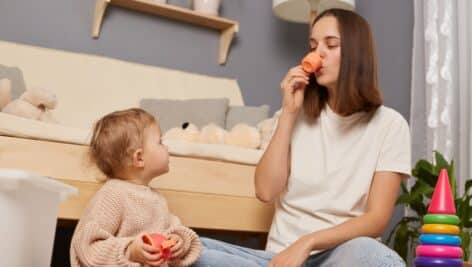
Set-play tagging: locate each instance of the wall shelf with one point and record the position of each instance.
(226, 27)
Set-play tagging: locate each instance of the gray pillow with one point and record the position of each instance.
(15, 75)
(173, 113)
(245, 114)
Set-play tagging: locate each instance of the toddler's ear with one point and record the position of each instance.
(138, 159)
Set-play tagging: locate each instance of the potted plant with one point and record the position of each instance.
(404, 235)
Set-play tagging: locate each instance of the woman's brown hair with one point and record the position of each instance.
(357, 85)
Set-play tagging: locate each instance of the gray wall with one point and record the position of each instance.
(263, 51)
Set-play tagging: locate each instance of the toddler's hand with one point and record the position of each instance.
(143, 253)
(177, 250)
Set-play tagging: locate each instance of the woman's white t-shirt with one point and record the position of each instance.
(333, 161)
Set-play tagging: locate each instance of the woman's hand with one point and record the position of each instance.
(177, 250)
(143, 253)
(294, 255)
(293, 89)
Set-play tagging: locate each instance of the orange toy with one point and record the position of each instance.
(311, 62)
(160, 242)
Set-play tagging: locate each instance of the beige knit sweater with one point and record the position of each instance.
(115, 216)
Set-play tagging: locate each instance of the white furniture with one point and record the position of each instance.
(29, 204)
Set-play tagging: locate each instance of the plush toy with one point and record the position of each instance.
(5, 92)
(212, 134)
(32, 104)
(187, 132)
(266, 128)
(243, 135)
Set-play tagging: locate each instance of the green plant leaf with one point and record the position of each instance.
(441, 162)
(404, 235)
(464, 211)
(468, 185)
(418, 192)
(421, 189)
(401, 241)
(425, 165)
(465, 244)
(392, 232)
(404, 220)
(403, 199)
(452, 179)
(424, 171)
(404, 188)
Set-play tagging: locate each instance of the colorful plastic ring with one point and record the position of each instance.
(435, 239)
(441, 219)
(440, 229)
(439, 251)
(437, 262)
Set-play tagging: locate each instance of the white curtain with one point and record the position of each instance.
(442, 82)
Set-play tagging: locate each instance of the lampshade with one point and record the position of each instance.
(301, 10)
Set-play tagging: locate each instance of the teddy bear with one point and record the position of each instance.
(187, 132)
(5, 92)
(212, 134)
(34, 103)
(266, 128)
(241, 135)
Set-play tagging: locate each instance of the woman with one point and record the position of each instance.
(335, 162)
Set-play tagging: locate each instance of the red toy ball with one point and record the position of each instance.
(160, 242)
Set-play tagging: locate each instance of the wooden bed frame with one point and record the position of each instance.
(205, 194)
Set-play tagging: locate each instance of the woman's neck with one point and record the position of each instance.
(331, 99)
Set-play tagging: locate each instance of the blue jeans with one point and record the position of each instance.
(361, 251)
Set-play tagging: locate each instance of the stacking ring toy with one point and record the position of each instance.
(439, 251)
(437, 262)
(440, 229)
(441, 219)
(435, 239)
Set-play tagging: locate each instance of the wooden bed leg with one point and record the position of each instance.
(100, 8)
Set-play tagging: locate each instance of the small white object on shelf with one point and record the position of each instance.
(226, 27)
(181, 3)
(209, 7)
(304, 11)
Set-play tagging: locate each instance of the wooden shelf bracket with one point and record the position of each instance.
(227, 28)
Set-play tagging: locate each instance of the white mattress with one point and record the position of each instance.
(214, 151)
(20, 127)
